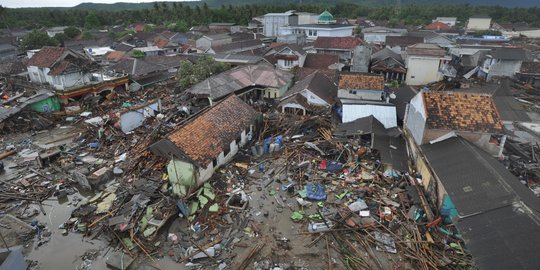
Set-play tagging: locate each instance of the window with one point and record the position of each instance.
(288, 63)
(310, 33)
(315, 32)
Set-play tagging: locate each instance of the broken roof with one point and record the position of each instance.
(136, 67)
(530, 68)
(47, 56)
(384, 54)
(461, 112)
(209, 133)
(230, 81)
(343, 43)
(114, 55)
(510, 54)
(361, 81)
(424, 49)
(317, 84)
(320, 61)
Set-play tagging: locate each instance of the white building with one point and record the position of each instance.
(479, 22)
(450, 21)
(423, 62)
(51, 32)
(290, 56)
(273, 21)
(326, 26)
(378, 34)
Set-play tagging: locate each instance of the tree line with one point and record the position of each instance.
(176, 13)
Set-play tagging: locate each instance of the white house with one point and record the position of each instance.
(450, 21)
(423, 62)
(290, 56)
(479, 22)
(503, 62)
(273, 21)
(326, 26)
(208, 41)
(60, 67)
(313, 91)
(205, 142)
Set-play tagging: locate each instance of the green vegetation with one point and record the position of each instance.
(190, 74)
(36, 40)
(87, 35)
(72, 32)
(137, 54)
(189, 14)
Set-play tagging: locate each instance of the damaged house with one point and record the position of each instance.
(503, 62)
(259, 80)
(69, 73)
(435, 115)
(205, 142)
(364, 94)
(424, 62)
(313, 92)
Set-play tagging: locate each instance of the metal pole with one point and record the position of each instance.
(4, 241)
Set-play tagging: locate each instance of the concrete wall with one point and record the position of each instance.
(378, 37)
(415, 120)
(422, 70)
(505, 68)
(479, 23)
(271, 23)
(40, 75)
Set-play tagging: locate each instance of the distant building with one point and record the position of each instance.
(342, 46)
(450, 21)
(378, 34)
(208, 41)
(326, 26)
(479, 22)
(228, 27)
(51, 32)
(289, 56)
(273, 21)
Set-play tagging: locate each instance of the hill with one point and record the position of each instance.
(218, 3)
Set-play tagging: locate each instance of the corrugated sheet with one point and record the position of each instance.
(385, 114)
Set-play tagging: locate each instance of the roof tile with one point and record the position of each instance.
(336, 42)
(461, 112)
(209, 133)
(361, 81)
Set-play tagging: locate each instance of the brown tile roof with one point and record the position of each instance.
(530, 68)
(461, 112)
(161, 43)
(336, 43)
(320, 61)
(209, 133)
(424, 49)
(46, 57)
(301, 73)
(361, 81)
(115, 55)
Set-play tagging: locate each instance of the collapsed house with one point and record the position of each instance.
(205, 142)
(312, 92)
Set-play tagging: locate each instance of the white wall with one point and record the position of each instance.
(385, 114)
(272, 23)
(378, 37)
(479, 23)
(422, 70)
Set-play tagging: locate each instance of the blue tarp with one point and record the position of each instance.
(315, 192)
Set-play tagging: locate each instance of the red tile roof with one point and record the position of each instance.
(336, 42)
(211, 132)
(46, 57)
(461, 112)
(138, 28)
(320, 61)
(437, 26)
(361, 81)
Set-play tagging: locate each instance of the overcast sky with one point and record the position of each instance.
(65, 3)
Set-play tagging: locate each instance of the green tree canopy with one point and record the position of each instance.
(72, 31)
(36, 40)
(190, 74)
(181, 26)
(87, 35)
(137, 54)
(91, 21)
(61, 37)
